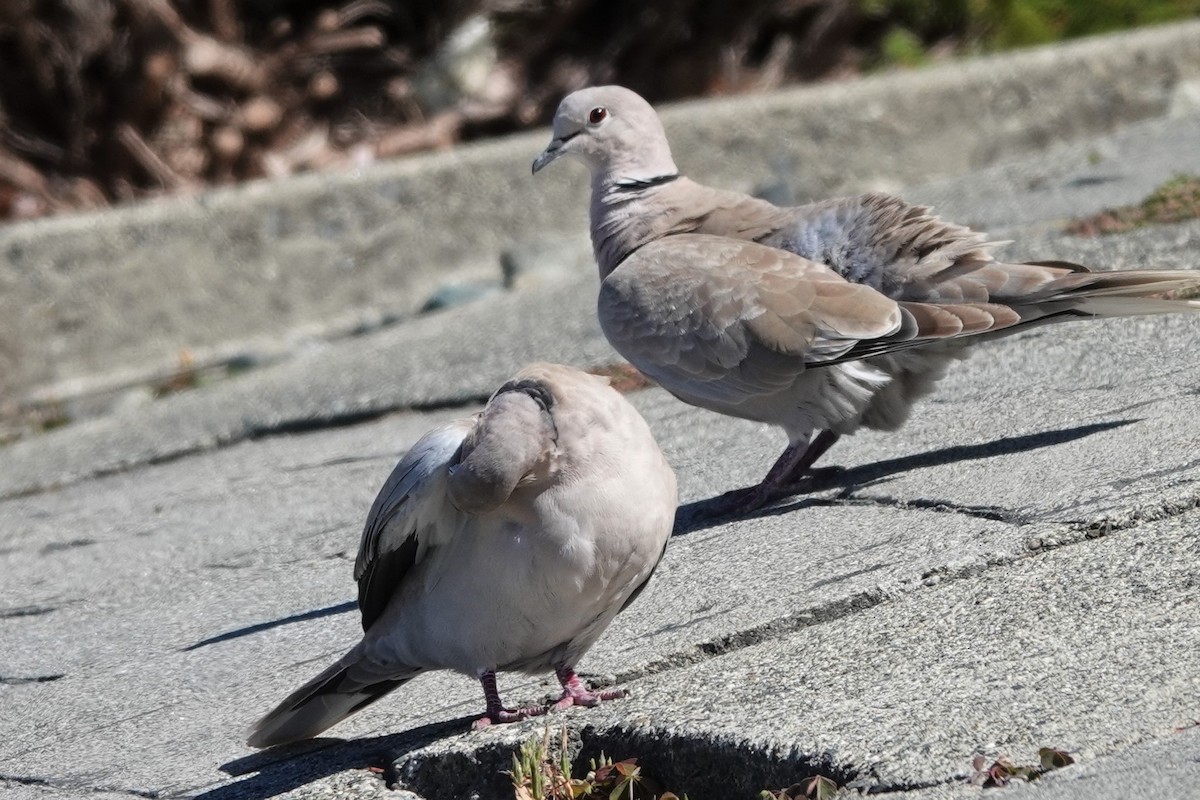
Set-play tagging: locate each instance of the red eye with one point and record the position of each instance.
(597, 115)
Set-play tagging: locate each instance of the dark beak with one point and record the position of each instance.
(552, 151)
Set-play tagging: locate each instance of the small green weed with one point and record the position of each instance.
(818, 787)
(537, 774)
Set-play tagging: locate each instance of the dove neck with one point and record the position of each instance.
(629, 213)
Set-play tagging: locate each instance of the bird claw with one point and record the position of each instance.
(570, 697)
(500, 716)
(586, 697)
(574, 693)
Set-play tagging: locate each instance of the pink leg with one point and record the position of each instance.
(495, 712)
(576, 694)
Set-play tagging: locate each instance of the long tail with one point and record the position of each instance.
(1051, 292)
(1122, 294)
(319, 705)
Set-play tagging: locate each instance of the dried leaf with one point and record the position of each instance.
(1054, 759)
(819, 787)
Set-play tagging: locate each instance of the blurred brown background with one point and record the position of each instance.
(103, 101)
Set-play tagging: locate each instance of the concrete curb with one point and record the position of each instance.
(93, 302)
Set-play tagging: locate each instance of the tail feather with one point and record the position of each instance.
(1131, 284)
(1121, 294)
(317, 706)
(1066, 296)
(1126, 306)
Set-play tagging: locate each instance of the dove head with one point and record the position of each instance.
(614, 132)
(511, 444)
(516, 441)
(544, 425)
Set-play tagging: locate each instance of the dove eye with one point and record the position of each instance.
(597, 115)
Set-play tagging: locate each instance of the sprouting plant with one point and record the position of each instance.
(536, 776)
(539, 775)
(1004, 770)
(818, 787)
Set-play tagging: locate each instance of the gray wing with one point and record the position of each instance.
(930, 266)
(724, 320)
(908, 253)
(411, 514)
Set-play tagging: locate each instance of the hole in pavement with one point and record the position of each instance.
(678, 761)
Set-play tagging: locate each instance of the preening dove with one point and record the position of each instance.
(508, 541)
(822, 317)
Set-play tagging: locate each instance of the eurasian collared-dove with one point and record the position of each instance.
(508, 541)
(729, 302)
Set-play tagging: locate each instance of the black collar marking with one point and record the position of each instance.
(645, 183)
(540, 394)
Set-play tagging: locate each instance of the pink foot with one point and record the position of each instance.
(500, 716)
(496, 713)
(586, 698)
(576, 694)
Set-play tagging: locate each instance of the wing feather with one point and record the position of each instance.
(730, 319)
(410, 515)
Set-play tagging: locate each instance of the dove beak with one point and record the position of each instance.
(552, 151)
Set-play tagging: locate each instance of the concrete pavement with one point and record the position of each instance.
(1018, 568)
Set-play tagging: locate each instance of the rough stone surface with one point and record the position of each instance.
(1027, 200)
(1165, 768)
(1016, 569)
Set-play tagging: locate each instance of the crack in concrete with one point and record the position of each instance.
(337, 462)
(253, 432)
(357, 417)
(833, 610)
(904, 786)
(1140, 515)
(73, 789)
(18, 681)
(1124, 483)
(54, 547)
(674, 759)
(27, 611)
(748, 637)
(1077, 531)
(848, 497)
(46, 487)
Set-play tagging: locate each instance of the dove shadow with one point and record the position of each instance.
(282, 769)
(701, 514)
(316, 613)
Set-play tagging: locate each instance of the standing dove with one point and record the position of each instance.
(817, 318)
(508, 541)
